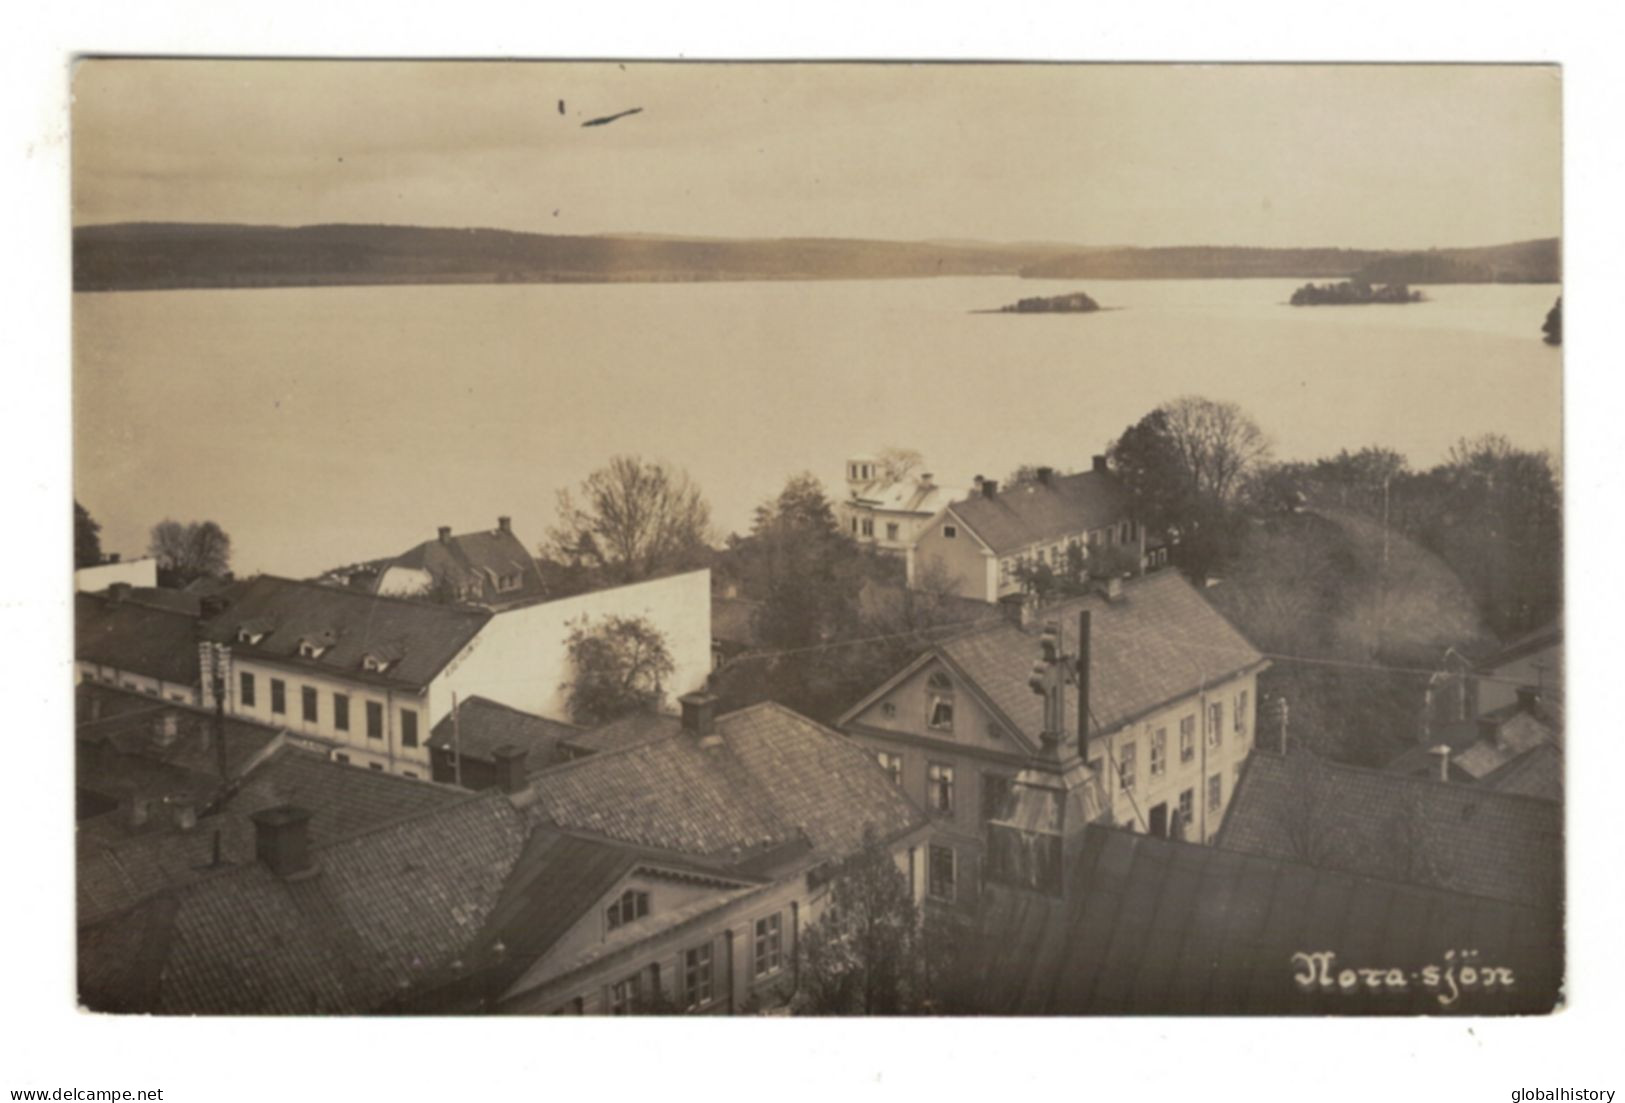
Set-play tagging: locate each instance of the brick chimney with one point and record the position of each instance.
(1528, 698)
(505, 524)
(117, 592)
(282, 840)
(1046, 476)
(445, 534)
(184, 809)
(700, 718)
(1099, 465)
(510, 768)
(990, 488)
(166, 728)
(211, 606)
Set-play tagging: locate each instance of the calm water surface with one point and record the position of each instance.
(322, 426)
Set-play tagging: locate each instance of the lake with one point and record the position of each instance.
(327, 425)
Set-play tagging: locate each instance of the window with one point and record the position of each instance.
(891, 530)
(1004, 571)
(1129, 764)
(892, 764)
(949, 532)
(941, 872)
(697, 988)
(341, 757)
(939, 702)
(279, 696)
(1240, 718)
(409, 728)
(245, 689)
(309, 649)
(940, 789)
(307, 701)
(769, 955)
(375, 766)
(632, 905)
(1215, 792)
(375, 720)
(995, 795)
(1215, 723)
(888, 709)
(1187, 807)
(625, 996)
(1187, 738)
(994, 731)
(341, 711)
(868, 526)
(1159, 752)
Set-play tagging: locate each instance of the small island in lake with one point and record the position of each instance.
(1353, 292)
(1075, 303)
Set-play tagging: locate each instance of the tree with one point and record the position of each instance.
(1028, 473)
(1553, 326)
(808, 571)
(1218, 445)
(620, 667)
(896, 463)
(631, 520)
(186, 553)
(868, 952)
(87, 538)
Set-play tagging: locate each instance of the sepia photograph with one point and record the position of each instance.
(816, 539)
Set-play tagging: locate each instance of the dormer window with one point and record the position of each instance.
(374, 664)
(310, 649)
(249, 636)
(939, 702)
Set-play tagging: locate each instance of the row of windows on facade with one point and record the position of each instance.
(640, 990)
(310, 708)
(1055, 556)
(865, 526)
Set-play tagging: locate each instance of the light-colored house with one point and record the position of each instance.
(888, 513)
(1171, 693)
(371, 675)
(122, 639)
(980, 544)
(131, 572)
(489, 568)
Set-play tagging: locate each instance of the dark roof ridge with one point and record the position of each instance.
(492, 702)
(400, 599)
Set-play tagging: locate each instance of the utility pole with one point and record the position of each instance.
(456, 744)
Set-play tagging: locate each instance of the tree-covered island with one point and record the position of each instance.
(1353, 292)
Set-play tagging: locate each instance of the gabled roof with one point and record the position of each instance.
(617, 735)
(906, 495)
(778, 785)
(1465, 838)
(418, 638)
(1538, 772)
(1160, 641)
(119, 732)
(477, 560)
(1032, 512)
(484, 725)
(1152, 926)
(118, 868)
(136, 637)
(382, 911)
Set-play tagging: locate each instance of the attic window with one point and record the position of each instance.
(375, 665)
(949, 532)
(310, 649)
(509, 582)
(249, 636)
(632, 905)
(939, 708)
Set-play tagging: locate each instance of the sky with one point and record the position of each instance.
(1350, 156)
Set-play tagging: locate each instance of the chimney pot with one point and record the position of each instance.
(1046, 476)
(510, 767)
(112, 557)
(505, 524)
(185, 813)
(700, 717)
(1443, 752)
(282, 839)
(990, 488)
(1528, 698)
(1100, 465)
(118, 591)
(166, 728)
(445, 534)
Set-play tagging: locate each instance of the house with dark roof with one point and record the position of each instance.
(479, 742)
(1168, 689)
(126, 640)
(980, 544)
(1472, 750)
(1470, 839)
(887, 512)
(1151, 926)
(490, 568)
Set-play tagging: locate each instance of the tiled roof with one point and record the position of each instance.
(776, 780)
(1031, 512)
(1464, 838)
(133, 636)
(1549, 635)
(382, 911)
(1152, 926)
(419, 637)
(1160, 641)
(119, 732)
(617, 735)
(477, 560)
(1538, 772)
(117, 868)
(484, 725)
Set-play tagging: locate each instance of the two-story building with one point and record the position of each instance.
(981, 545)
(371, 675)
(125, 638)
(490, 568)
(1170, 694)
(888, 513)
